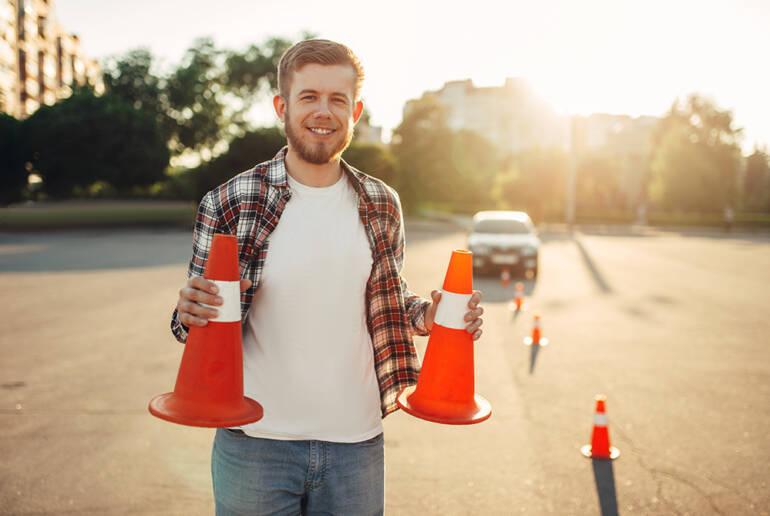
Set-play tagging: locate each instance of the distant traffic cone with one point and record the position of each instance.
(600, 437)
(505, 277)
(518, 297)
(209, 385)
(445, 388)
(535, 339)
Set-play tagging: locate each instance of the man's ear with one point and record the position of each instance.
(279, 104)
(357, 111)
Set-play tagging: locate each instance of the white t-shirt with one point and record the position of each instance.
(307, 352)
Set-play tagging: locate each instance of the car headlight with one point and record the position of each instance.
(528, 250)
(480, 249)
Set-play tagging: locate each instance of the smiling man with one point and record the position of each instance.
(327, 319)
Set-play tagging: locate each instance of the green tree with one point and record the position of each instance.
(249, 73)
(202, 103)
(756, 187)
(696, 157)
(371, 159)
(132, 78)
(438, 165)
(243, 153)
(13, 176)
(597, 188)
(85, 138)
(533, 181)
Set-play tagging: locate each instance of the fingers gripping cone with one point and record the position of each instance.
(600, 437)
(445, 388)
(536, 339)
(209, 386)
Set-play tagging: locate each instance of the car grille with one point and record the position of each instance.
(505, 250)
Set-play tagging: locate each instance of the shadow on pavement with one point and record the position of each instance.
(93, 250)
(533, 358)
(592, 268)
(605, 486)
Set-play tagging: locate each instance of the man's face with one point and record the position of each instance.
(321, 111)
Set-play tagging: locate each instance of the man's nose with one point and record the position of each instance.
(323, 107)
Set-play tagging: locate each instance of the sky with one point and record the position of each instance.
(584, 56)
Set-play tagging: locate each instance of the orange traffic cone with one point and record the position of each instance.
(535, 339)
(505, 277)
(209, 385)
(600, 437)
(445, 388)
(518, 297)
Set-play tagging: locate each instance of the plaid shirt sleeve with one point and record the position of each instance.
(415, 305)
(205, 226)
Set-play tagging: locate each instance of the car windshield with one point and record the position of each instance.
(501, 226)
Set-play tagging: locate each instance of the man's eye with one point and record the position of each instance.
(307, 97)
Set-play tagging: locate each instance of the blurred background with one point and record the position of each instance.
(634, 134)
(590, 112)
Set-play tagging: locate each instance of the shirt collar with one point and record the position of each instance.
(276, 172)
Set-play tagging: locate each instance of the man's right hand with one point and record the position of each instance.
(200, 290)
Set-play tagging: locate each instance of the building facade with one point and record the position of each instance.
(514, 117)
(40, 62)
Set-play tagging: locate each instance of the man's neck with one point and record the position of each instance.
(310, 174)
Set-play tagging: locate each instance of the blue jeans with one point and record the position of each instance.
(254, 476)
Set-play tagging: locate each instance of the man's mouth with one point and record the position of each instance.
(323, 131)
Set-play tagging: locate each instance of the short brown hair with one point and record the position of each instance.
(318, 51)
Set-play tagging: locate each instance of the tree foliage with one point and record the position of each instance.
(374, 160)
(244, 152)
(203, 101)
(756, 185)
(438, 165)
(597, 187)
(696, 157)
(85, 138)
(13, 176)
(533, 180)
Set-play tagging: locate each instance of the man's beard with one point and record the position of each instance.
(318, 153)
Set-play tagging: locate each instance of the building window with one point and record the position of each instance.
(41, 26)
(59, 62)
(20, 19)
(72, 68)
(22, 66)
(40, 75)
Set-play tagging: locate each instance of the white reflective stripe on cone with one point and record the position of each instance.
(230, 309)
(452, 309)
(600, 419)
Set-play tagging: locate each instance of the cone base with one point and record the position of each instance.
(480, 411)
(513, 308)
(173, 408)
(587, 452)
(529, 342)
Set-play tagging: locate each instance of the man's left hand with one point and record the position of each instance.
(472, 316)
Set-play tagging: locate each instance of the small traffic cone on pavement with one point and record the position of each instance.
(518, 298)
(209, 385)
(536, 339)
(505, 277)
(600, 437)
(445, 391)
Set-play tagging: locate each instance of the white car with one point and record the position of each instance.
(504, 239)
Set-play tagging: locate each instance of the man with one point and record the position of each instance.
(327, 319)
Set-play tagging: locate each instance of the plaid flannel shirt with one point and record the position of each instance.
(249, 206)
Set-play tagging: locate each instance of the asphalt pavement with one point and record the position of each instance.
(671, 326)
